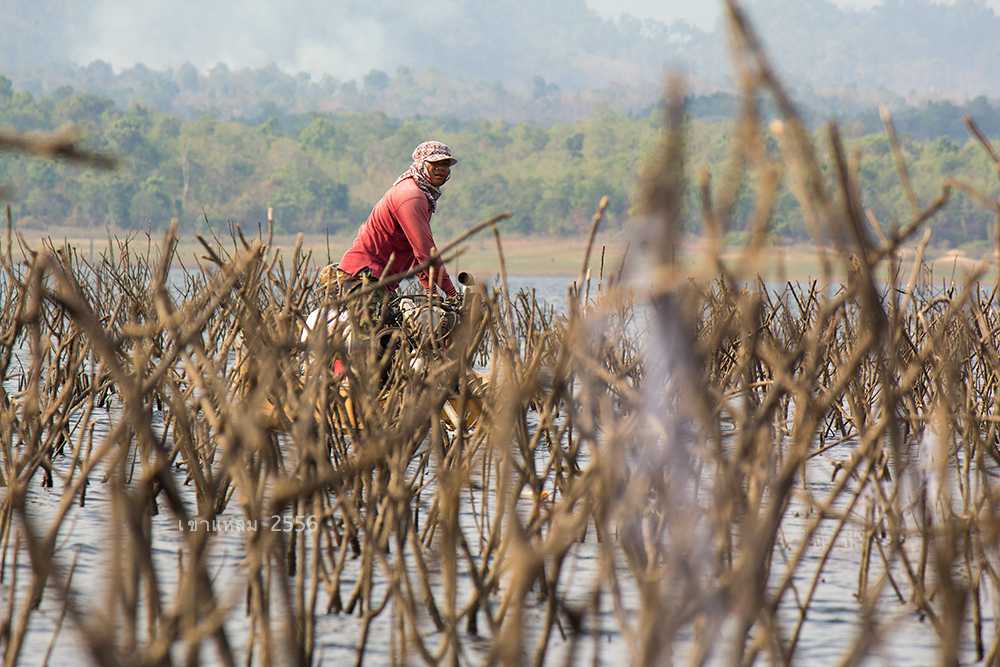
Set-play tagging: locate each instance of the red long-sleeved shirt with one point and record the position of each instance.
(398, 226)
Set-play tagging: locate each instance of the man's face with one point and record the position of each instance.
(437, 172)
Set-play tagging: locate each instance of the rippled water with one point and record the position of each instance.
(829, 630)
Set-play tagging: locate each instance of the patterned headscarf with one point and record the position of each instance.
(429, 150)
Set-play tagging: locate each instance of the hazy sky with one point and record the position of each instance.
(693, 11)
(301, 35)
(698, 12)
(702, 13)
(346, 38)
(307, 35)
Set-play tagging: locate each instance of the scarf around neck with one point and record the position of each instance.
(417, 170)
(419, 176)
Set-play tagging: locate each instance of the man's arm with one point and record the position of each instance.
(414, 217)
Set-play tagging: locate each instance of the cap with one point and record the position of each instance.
(433, 151)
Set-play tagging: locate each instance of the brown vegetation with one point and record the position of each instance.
(675, 468)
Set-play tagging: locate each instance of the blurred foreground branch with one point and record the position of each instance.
(62, 144)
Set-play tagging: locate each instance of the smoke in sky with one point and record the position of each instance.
(310, 35)
(499, 40)
(573, 43)
(703, 14)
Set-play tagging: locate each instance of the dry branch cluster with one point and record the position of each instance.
(670, 463)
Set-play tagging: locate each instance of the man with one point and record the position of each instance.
(399, 227)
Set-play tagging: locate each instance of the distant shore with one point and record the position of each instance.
(547, 256)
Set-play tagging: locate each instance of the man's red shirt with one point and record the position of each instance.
(399, 227)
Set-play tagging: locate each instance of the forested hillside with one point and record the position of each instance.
(323, 172)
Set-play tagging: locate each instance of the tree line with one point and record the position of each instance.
(322, 172)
